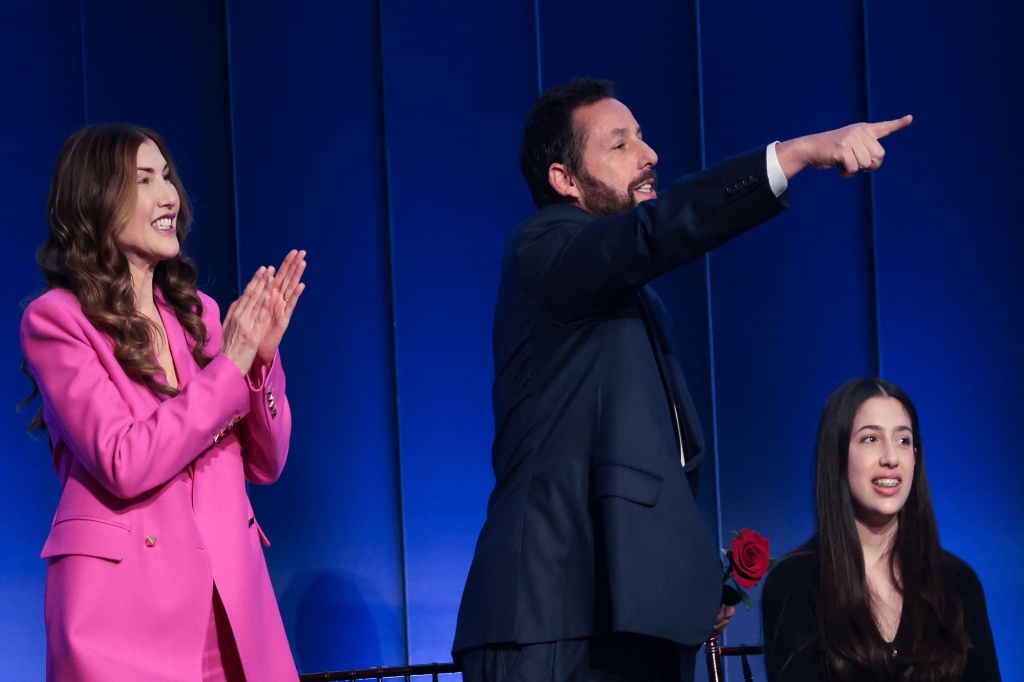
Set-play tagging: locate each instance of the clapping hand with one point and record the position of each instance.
(285, 289)
(246, 321)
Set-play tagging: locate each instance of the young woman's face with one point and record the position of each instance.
(149, 237)
(881, 462)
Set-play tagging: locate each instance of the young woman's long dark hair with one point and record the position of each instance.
(92, 198)
(852, 648)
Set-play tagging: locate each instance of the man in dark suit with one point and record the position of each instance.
(594, 563)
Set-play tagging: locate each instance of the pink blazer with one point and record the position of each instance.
(154, 510)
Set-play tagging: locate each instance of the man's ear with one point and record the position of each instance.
(563, 181)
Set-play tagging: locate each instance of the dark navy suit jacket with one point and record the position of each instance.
(592, 525)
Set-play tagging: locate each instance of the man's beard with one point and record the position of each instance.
(602, 200)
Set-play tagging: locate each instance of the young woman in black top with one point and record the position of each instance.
(873, 596)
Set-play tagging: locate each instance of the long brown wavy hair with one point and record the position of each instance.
(852, 648)
(92, 197)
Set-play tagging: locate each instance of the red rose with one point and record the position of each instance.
(748, 557)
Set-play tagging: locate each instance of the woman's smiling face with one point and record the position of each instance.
(149, 237)
(881, 462)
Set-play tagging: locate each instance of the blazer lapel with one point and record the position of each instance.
(687, 433)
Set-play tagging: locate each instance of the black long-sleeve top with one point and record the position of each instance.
(789, 599)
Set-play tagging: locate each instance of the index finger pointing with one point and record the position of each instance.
(883, 128)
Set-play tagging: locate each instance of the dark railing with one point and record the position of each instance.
(384, 673)
(714, 653)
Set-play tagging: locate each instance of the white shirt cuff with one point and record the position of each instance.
(776, 178)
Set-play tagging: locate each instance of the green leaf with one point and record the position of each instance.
(730, 597)
(744, 597)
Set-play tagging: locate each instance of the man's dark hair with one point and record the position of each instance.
(550, 135)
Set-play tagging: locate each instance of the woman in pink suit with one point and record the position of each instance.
(157, 416)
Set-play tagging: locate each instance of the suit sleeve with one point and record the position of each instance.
(573, 266)
(267, 429)
(788, 617)
(81, 385)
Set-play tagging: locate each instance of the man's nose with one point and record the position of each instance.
(648, 158)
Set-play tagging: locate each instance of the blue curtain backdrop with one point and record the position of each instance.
(382, 136)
